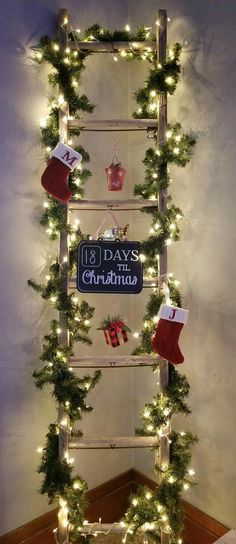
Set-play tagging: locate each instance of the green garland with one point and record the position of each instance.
(164, 405)
(69, 391)
(160, 509)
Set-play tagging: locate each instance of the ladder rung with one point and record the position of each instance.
(120, 361)
(112, 124)
(110, 47)
(116, 442)
(132, 204)
(107, 528)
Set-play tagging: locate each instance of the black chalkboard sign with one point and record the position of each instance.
(109, 267)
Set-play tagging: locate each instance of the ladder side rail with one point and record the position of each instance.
(62, 536)
(164, 452)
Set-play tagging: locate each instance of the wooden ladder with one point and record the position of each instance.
(65, 124)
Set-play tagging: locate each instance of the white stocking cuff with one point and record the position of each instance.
(172, 313)
(67, 155)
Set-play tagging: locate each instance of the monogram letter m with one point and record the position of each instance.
(68, 159)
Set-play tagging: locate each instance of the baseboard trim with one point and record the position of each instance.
(109, 501)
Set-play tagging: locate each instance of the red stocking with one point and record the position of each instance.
(165, 340)
(55, 178)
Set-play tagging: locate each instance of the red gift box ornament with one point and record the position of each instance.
(113, 327)
(115, 175)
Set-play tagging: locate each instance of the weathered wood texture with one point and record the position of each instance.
(131, 204)
(113, 442)
(111, 47)
(103, 124)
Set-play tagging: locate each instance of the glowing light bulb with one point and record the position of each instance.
(39, 449)
(123, 53)
(155, 319)
(56, 47)
(134, 502)
(186, 486)
(74, 83)
(127, 28)
(168, 134)
(66, 60)
(67, 50)
(153, 94)
(171, 479)
(176, 150)
(159, 65)
(115, 58)
(136, 335)
(45, 205)
(148, 496)
(191, 472)
(65, 20)
(43, 122)
(64, 422)
(142, 257)
(169, 80)
(86, 322)
(146, 413)
(150, 427)
(39, 55)
(152, 107)
(168, 241)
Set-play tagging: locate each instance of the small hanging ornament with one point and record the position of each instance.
(112, 327)
(116, 233)
(115, 175)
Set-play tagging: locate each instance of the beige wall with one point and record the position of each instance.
(204, 260)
